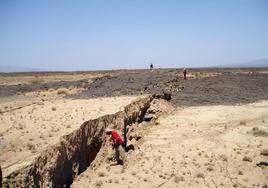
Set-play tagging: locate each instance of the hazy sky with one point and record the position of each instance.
(112, 34)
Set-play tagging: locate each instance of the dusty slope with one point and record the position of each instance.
(206, 146)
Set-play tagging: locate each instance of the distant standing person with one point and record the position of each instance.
(184, 73)
(117, 145)
(151, 66)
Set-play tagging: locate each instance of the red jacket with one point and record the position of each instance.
(117, 140)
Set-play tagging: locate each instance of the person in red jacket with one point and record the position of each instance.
(117, 145)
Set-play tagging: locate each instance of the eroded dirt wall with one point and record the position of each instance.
(59, 164)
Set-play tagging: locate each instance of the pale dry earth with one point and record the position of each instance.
(202, 143)
(199, 146)
(27, 131)
(20, 78)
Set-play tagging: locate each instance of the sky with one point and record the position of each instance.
(72, 35)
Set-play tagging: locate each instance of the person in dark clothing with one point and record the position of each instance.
(151, 67)
(184, 73)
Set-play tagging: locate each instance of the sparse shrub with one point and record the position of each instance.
(54, 108)
(264, 152)
(116, 181)
(41, 136)
(259, 132)
(200, 175)
(210, 168)
(63, 91)
(21, 127)
(177, 179)
(242, 123)
(224, 157)
(246, 158)
(101, 174)
(51, 90)
(98, 183)
(30, 146)
(85, 85)
(68, 126)
(36, 80)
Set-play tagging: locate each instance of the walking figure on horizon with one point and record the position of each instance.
(184, 73)
(151, 67)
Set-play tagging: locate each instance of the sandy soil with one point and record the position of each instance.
(30, 78)
(212, 138)
(34, 113)
(25, 132)
(201, 146)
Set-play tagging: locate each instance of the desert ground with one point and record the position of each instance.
(212, 132)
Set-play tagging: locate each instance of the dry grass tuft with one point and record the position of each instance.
(68, 126)
(36, 80)
(101, 174)
(30, 146)
(116, 181)
(63, 91)
(200, 175)
(264, 152)
(98, 183)
(246, 158)
(210, 168)
(259, 132)
(224, 157)
(242, 122)
(177, 179)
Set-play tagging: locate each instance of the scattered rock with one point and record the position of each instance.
(177, 179)
(224, 157)
(101, 174)
(242, 123)
(210, 168)
(200, 175)
(149, 117)
(264, 152)
(246, 158)
(260, 131)
(135, 136)
(98, 183)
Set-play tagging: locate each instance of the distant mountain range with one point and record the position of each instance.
(8, 69)
(252, 64)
